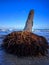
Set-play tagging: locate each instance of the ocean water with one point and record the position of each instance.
(43, 33)
(9, 59)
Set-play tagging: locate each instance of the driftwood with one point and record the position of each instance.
(29, 22)
(25, 44)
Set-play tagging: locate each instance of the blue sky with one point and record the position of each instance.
(14, 13)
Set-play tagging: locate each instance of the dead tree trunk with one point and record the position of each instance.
(29, 22)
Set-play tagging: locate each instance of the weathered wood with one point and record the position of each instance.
(29, 22)
(25, 44)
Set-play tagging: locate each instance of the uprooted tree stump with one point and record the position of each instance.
(23, 43)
